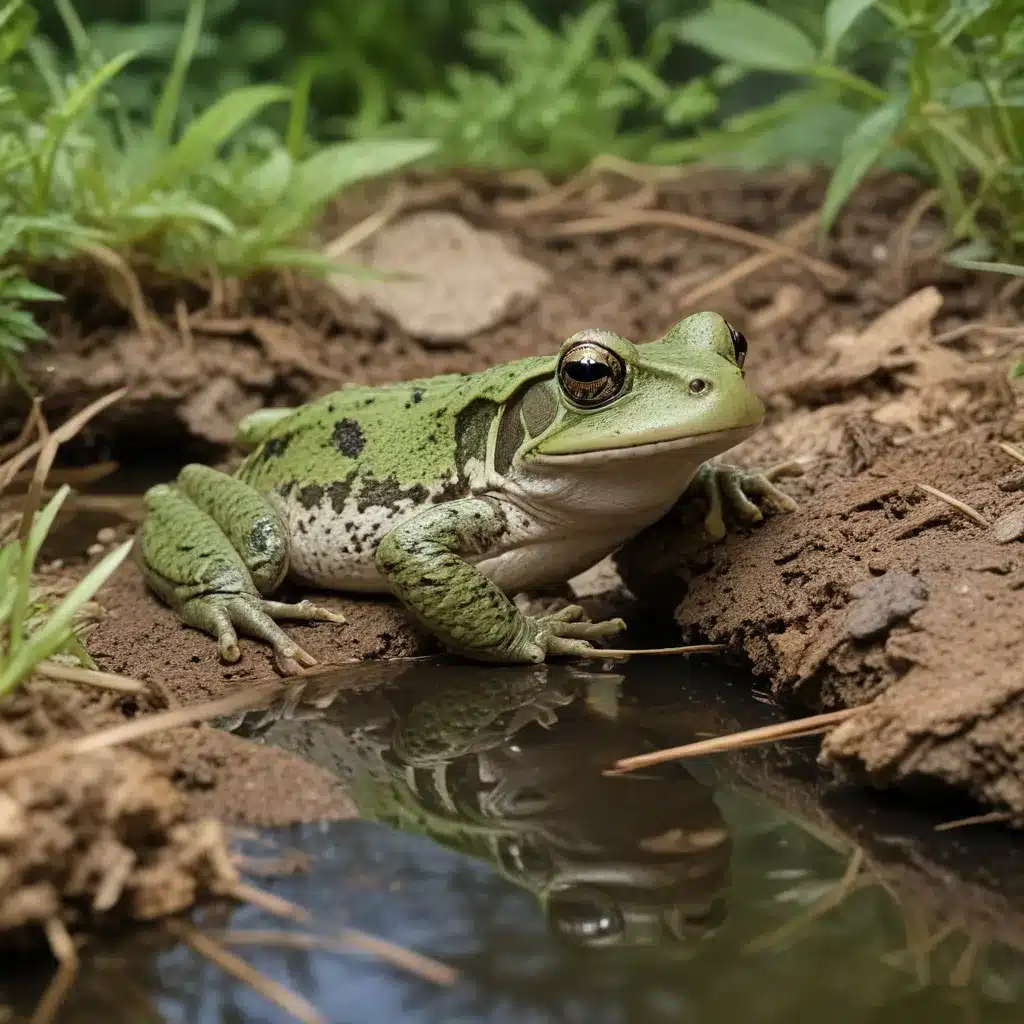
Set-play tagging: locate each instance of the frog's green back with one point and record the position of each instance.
(384, 441)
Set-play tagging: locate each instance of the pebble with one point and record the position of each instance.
(107, 535)
(1009, 527)
(95, 549)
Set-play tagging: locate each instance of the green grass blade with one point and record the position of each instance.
(166, 112)
(83, 94)
(41, 526)
(839, 18)
(205, 136)
(17, 26)
(326, 173)
(988, 266)
(748, 35)
(50, 637)
(10, 556)
(860, 153)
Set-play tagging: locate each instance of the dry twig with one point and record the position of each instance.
(971, 513)
(64, 953)
(346, 942)
(797, 729)
(271, 990)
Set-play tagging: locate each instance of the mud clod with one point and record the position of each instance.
(879, 603)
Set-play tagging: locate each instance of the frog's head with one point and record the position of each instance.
(619, 400)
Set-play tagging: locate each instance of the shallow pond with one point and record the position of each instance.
(742, 888)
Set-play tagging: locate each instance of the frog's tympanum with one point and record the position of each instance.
(457, 492)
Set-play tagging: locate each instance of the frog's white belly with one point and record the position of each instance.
(558, 526)
(335, 553)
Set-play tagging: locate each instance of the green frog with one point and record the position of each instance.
(458, 492)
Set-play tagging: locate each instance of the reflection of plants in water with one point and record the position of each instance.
(939, 947)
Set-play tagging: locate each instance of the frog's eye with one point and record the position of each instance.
(591, 374)
(739, 345)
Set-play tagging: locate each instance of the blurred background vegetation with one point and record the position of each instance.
(190, 135)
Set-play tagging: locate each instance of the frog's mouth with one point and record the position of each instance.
(654, 444)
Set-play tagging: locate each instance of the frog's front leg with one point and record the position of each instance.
(213, 549)
(424, 562)
(723, 482)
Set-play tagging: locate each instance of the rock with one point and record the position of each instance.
(457, 279)
(1009, 527)
(879, 603)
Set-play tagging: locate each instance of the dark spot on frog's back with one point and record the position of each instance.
(348, 438)
(310, 496)
(339, 491)
(275, 447)
(387, 492)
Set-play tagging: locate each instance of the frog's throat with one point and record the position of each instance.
(703, 445)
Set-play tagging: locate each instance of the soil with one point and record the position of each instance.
(882, 368)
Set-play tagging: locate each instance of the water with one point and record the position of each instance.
(746, 888)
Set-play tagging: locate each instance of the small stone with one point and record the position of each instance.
(13, 823)
(95, 549)
(454, 280)
(1012, 481)
(107, 535)
(1009, 527)
(878, 604)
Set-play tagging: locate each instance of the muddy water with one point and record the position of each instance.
(744, 889)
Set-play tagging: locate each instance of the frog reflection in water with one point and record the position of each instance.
(509, 769)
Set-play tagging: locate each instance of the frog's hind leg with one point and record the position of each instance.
(212, 548)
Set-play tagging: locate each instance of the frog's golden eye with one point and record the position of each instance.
(591, 374)
(739, 345)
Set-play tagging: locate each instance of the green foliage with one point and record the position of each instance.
(30, 629)
(176, 195)
(216, 191)
(556, 98)
(949, 103)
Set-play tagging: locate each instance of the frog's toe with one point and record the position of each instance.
(761, 485)
(567, 646)
(794, 467)
(570, 613)
(589, 630)
(222, 616)
(303, 611)
(736, 488)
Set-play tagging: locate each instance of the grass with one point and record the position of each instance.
(34, 626)
(555, 99)
(218, 195)
(948, 104)
(31, 629)
(192, 192)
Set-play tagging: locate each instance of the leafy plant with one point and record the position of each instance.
(18, 327)
(219, 191)
(29, 635)
(556, 98)
(949, 104)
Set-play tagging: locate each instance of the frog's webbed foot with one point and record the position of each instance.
(423, 561)
(225, 615)
(569, 631)
(722, 482)
(211, 549)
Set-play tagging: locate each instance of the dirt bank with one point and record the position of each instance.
(875, 590)
(878, 591)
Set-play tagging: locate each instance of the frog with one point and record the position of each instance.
(457, 493)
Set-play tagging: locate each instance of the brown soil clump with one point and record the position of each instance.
(878, 592)
(143, 639)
